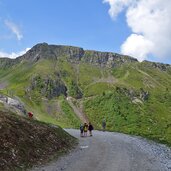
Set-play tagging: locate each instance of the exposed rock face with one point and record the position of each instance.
(106, 58)
(7, 62)
(48, 87)
(75, 54)
(12, 102)
(140, 95)
(160, 66)
(46, 51)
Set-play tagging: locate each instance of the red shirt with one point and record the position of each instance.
(30, 115)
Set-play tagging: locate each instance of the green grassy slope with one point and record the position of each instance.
(19, 79)
(113, 94)
(150, 118)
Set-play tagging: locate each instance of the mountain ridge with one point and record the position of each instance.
(73, 53)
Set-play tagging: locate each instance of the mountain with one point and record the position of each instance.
(132, 97)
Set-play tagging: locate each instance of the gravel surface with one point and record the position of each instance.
(108, 151)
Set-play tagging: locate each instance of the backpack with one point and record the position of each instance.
(81, 128)
(91, 127)
(85, 128)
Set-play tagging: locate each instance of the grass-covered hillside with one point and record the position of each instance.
(132, 97)
(25, 142)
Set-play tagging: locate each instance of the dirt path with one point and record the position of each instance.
(77, 111)
(107, 151)
(110, 80)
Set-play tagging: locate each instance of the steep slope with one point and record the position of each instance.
(25, 142)
(77, 111)
(133, 97)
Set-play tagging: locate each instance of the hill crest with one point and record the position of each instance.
(76, 54)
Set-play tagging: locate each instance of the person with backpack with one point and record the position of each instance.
(85, 129)
(104, 124)
(81, 130)
(90, 128)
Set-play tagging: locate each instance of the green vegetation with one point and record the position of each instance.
(69, 118)
(134, 98)
(150, 119)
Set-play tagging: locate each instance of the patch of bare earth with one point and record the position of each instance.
(25, 142)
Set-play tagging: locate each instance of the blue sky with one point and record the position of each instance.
(88, 24)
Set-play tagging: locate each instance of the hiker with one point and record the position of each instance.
(104, 124)
(30, 115)
(90, 128)
(81, 130)
(85, 129)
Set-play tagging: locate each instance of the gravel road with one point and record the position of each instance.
(108, 151)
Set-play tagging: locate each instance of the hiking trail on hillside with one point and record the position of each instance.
(77, 111)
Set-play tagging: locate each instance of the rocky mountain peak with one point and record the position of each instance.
(75, 54)
(45, 51)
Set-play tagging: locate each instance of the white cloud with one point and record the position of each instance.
(138, 46)
(116, 6)
(14, 28)
(13, 54)
(150, 22)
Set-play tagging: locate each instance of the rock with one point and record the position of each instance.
(144, 95)
(72, 54)
(45, 51)
(75, 55)
(136, 100)
(13, 103)
(135, 96)
(160, 66)
(106, 58)
(48, 87)
(7, 62)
